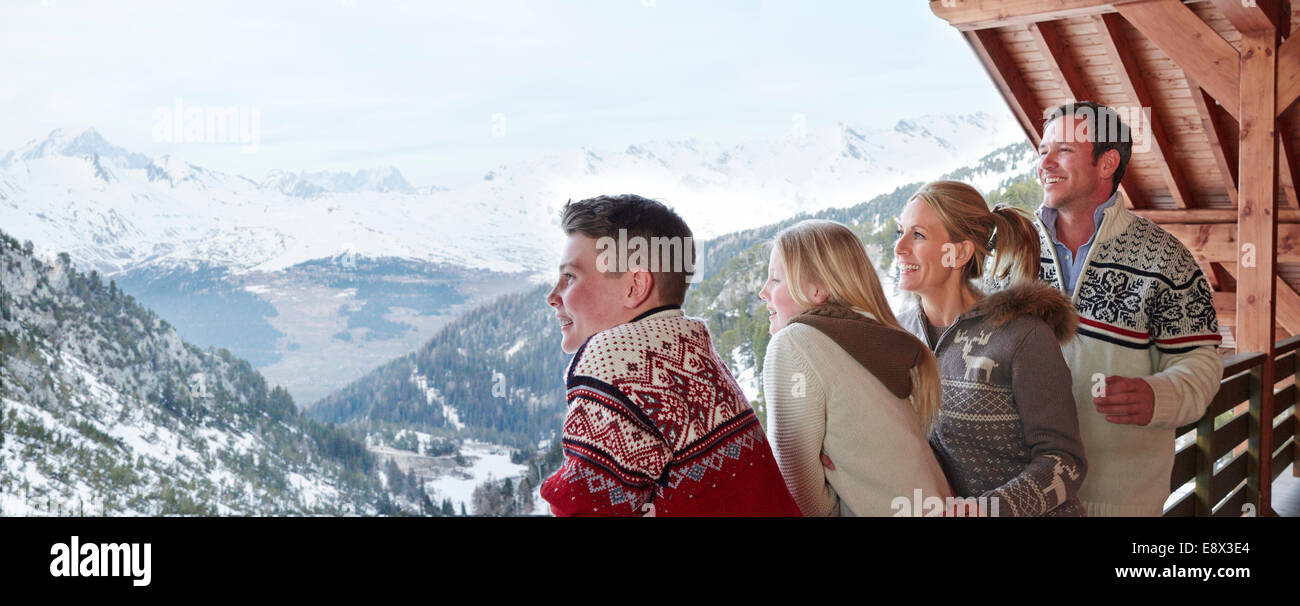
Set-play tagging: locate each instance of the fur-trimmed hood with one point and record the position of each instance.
(1036, 299)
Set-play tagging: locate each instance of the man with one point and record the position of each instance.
(1144, 361)
(656, 424)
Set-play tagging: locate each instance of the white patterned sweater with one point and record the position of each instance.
(1145, 310)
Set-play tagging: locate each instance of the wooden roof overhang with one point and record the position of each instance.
(1217, 157)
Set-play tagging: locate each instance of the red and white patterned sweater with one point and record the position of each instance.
(657, 426)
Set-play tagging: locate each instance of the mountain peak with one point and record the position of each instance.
(86, 143)
(382, 179)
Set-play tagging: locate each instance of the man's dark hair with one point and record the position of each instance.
(1105, 131)
(649, 220)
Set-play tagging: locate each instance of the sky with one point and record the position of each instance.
(446, 91)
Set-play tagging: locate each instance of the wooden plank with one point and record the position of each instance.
(1283, 366)
(1257, 230)
(981, 14)
(1288, 304)
(1225, 307)
(1288, 165)
(1232, 507)
(1064, 71)
(1207, 215)
(1290, 344)
(1121, 55)
(1287, 174)
(1184, 470)
(1241, 362)
(1230, 436)
(1192, 44)
(1225, 152)
(1218, 243)
(1002, 70)
(1228, 478)
(1288, 74)
(1288, 307)
(1284, 457)
(1254, 15)
(1183, 508)
(1232, 392)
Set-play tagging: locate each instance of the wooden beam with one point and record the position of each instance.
(1047, 36)
(969, 15)
(1257, 229)
(1288, 78)
(1288, 171)
(1218, 243)
(1208, 215)
(1192, 44)
(1224, 148)
(1115, 42)
(1225, 307)
(1226, 274)
(1207, 268)
(1288, 302)
(1256, 15)
(1053, 46)
(1002, 70)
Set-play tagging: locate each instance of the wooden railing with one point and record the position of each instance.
(1212, 463)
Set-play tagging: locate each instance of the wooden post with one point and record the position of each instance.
(1257, 238)
(1205, 465)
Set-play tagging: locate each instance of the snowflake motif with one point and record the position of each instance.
(1111, 300)
(1200, 309)
(1166, 312)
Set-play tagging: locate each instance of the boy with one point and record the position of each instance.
(656, 424)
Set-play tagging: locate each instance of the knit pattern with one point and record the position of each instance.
(1142, 289)
(1007, 427)
(979, 440)
(656, 418)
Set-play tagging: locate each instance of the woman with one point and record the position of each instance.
(1007, 429)
(842, 378)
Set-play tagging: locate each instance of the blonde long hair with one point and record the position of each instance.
(830, 255)
(1006, 233)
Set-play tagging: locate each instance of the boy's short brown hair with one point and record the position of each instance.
(647, 221)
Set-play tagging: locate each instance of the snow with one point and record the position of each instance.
(486, 461)
(744, 373)
(432, 396)
(514, 349)
(166, 212)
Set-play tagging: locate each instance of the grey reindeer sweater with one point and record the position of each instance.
(1007, 427)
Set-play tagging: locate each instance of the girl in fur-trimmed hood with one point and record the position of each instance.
(1007, 429)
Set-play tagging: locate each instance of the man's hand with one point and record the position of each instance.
(1128, 401)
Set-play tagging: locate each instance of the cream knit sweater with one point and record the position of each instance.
(1145, 310)
(819, 399)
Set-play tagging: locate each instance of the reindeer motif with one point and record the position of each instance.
(1058, 484)
(975, 364)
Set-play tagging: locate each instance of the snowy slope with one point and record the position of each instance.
(114, 210)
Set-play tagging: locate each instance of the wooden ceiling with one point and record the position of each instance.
(1179, 64)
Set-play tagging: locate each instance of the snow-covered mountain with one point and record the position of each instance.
(115, 210)
(319, 277)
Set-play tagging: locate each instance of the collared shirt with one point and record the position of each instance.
(1072, 263)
